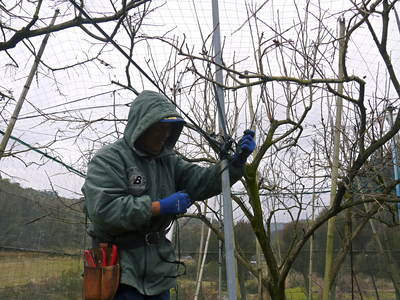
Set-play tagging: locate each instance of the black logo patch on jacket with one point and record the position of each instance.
(137, 181)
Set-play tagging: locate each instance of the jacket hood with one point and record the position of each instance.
(148, 108)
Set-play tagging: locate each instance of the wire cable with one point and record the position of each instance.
(28, 114)
(69, 168)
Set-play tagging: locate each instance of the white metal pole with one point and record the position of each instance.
(220, 246)
(225, 181)
(204, 256)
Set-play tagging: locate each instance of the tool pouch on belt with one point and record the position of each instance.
(101, 273)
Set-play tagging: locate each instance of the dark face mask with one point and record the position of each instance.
(152, 141)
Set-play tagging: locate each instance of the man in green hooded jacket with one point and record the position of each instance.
(136, 185)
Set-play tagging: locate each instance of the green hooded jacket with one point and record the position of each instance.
(121, 183)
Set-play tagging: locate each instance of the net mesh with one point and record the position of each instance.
(78, 102)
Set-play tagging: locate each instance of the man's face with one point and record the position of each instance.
(153, 139)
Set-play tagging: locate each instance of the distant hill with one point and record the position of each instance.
(39, 220)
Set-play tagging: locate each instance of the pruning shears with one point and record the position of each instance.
(101, 257)
(89, 258)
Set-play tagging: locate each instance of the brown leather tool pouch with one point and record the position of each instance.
(100, 282)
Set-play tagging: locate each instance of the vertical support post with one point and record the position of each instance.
(395, 158)
(204, 255)
(226, 190)
(201, 244)
(25, 90)
(311, 254)
(335, 170)
(220, 245)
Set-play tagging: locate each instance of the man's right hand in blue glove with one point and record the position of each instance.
(175, 204)
(245, 147)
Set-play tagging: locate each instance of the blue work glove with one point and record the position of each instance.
(245, 147)
(174, 204)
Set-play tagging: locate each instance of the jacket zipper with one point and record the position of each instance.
(145, 270)
(149, 171)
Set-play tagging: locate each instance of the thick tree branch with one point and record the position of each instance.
(26, 32)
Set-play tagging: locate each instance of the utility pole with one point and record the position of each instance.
(335, 170)
(25, 90)
(225, 181)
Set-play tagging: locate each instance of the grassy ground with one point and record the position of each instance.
(38, 276)
(295, 294)
(34, 276)
(21, 268)
(298, 294)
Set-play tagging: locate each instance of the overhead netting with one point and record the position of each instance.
(80, 95)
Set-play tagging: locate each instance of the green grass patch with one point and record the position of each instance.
(295, 294)
(22, 268)
(40, 276)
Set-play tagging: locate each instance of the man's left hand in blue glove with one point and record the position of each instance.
(174, 204)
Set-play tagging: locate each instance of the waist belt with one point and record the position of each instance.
(131, 241)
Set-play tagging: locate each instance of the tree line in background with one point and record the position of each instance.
(373, 249)
(40, 220)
